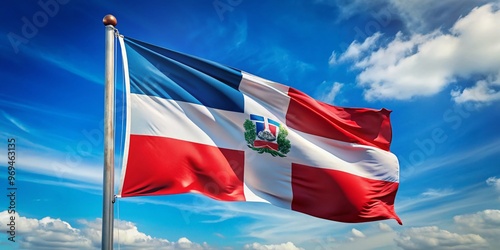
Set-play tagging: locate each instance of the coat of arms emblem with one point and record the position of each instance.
(265, 135)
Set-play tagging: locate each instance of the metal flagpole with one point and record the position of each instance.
(109, 140)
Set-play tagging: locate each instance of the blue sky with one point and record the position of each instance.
(435, 64)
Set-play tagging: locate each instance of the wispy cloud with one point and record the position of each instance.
(16, 122)
(356, 50)
(430, 210)
(66, 167)
(428, 15)
(95, 189)
(234, 34)
(38, 108)
(494, 182)
(418, 16)
(282, 62)
(84, 67)
(283, 246)
(67, 64)
(468, 155)
(269, 224)
(327, 92)
(438, 193)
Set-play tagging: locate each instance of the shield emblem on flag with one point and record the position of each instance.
(266, 135)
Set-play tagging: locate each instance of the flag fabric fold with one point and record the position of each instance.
(197, 126)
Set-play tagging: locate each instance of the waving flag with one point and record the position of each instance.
(201, 127)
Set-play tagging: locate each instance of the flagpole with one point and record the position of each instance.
(109, 141)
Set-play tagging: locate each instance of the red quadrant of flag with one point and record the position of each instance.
(336, 195)
(170, 166)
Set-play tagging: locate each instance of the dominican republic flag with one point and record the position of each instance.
(197, 126)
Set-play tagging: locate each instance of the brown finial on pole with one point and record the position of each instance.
(109, 20)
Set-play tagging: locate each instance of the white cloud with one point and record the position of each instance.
(482, 92)
(485, 223)
(282, 246)
(384, 227)
(333, 58)
(434, 238)
(47, 233)
(357, 234)
(50, 233)
(126, 234)
(425, 64)
(356, 50)
(327, 92)
(494, 182)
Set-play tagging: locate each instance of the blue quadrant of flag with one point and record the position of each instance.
(164, 73)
